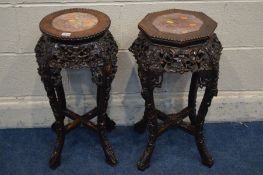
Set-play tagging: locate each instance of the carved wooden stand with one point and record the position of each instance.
(153, 60)
(98, 54)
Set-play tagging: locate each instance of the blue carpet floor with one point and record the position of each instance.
(237, 150)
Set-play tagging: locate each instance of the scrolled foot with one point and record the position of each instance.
(144, 162)
(110, 156)
(206, 157)
(140, 126)
(55, 158)
(54, 161)
(207, 160)
(110, 124)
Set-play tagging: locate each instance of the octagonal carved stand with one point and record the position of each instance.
(176, 41)
(77, 38)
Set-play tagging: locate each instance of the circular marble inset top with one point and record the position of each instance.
(178, 23)
(75, 24)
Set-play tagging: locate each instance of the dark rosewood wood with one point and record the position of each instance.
(155, 58)
(98, 54)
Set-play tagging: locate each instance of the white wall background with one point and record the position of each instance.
(22, 96)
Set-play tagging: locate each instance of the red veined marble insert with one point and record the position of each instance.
(75, 22)
(177, 23)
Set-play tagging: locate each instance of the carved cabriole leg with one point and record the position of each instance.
(192, 97)
(109, 124)
(150, 115)
(60, 98)
(141, 125)
(53, 86)
(210, 92)
(103, 91)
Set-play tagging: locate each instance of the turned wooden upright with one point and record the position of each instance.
(72, 39)
(177, 41)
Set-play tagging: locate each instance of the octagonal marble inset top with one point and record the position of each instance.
(177, 23)
(75, 22)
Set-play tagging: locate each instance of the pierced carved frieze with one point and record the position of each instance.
(95, 55)
(158, 59)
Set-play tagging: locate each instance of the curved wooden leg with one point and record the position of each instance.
(54, 88)
(61, 102)
(109, 123)
(192, 97)
(199, 137)
(151, 116)
(149, 80)
(55, 158)
(102, 103)
(210, 92)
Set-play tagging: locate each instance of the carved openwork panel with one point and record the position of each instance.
(157, 59)
(94, 54)
(176, 41)
(77, 38)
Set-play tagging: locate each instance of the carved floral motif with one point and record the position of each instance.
(100, 56)
(94, 55)
(153, 60)
(157, 59)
